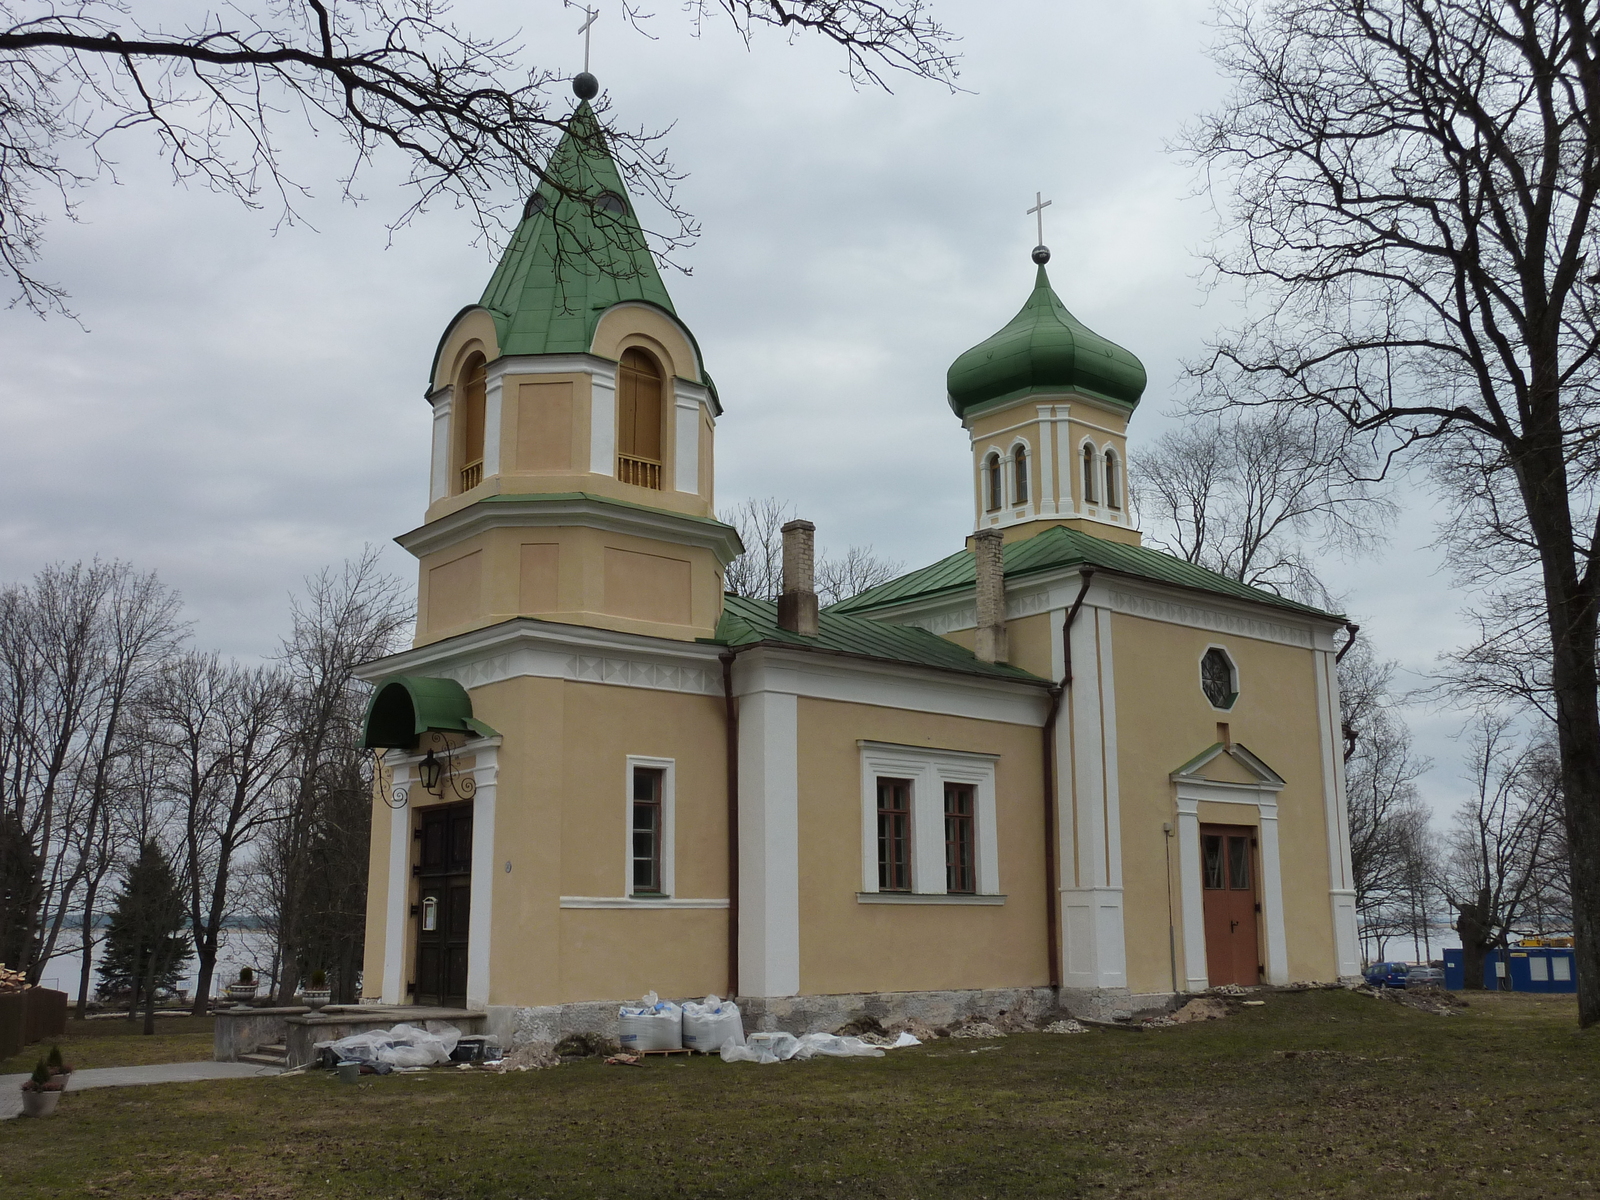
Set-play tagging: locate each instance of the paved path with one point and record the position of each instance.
(11, 1085)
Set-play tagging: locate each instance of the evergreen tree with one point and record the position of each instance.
(145, 948)
(19, 875)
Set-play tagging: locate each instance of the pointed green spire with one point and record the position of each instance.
(573, 256)
(1044, 349)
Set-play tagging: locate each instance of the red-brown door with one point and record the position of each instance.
(1228, 879)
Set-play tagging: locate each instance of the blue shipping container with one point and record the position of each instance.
(1529, 968)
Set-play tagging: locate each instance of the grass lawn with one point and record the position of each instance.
(1501, 1101)
(120, 1044)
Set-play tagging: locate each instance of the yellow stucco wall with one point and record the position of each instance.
(571, 574)
(1164, 720)
(561, 813)
(846, 946)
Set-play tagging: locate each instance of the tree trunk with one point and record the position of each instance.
(202, 987)
(84, 970)
(1476, 938)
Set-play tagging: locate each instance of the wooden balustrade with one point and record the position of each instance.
(471, 475)
(641, 472)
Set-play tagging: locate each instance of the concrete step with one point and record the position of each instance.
(268, 1056)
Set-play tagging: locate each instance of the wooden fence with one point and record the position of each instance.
(30, 1016)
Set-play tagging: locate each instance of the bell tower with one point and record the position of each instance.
(573, 430)
(1046, 402)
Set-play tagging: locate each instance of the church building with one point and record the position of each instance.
(1054, 768)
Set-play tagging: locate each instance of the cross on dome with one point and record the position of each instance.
(584, 85)
(1041, 252)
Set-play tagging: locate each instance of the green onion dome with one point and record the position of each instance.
(1045, 349)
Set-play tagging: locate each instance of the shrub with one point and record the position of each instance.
(246, 975)
(319, 980)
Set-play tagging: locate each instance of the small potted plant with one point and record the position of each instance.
(41, 1091)
(244, 990)
(59, 1067)
(317, 993)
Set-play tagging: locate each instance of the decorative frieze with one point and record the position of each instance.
(1194, 615)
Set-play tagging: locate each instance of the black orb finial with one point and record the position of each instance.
(1041, 255)
(585, 86)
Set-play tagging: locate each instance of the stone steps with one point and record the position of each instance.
(268, 1056)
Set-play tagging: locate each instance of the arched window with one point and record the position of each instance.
(639, 420)
(1112, 490)
(993, 483)
(1019, 458)
(469, 423)
(1088, 473)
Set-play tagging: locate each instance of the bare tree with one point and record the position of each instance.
(222, 728)
(1389, 836)
(385, 75)
(1246, 493)
(75, 644)
(1500, 849)
(1412, 190)
(318, 849)
(758, 572)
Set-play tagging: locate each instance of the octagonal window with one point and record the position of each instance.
(1218, 678)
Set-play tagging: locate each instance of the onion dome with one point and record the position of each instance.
(1044, 350)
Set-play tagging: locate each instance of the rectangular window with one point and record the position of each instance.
(1211, 859)
(1239, 864)
(647, 822)
(1538, 968)
(1560, 969)
(960, 871)
(894, 835)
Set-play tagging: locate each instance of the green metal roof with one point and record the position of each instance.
(754, 622)
(1062, 547)
(1045, 349)
(403, 707)
(570, 259)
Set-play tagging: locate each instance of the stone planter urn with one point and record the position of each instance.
(242, 993)
(315, 998)
(41, 1101)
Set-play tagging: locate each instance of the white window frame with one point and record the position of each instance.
(1233, 670)
(929, 770)
(668, 768)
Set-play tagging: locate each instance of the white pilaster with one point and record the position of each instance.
(1191, 898)
(397, 904)
(492, 409)
(686, 450)
(484, 861)
(769, 841)
(1341, 882)
(1094, 950)
(1277, 963)
(602, 424)
(439, 476)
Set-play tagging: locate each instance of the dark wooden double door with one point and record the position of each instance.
(444, 909)
(1228, 882)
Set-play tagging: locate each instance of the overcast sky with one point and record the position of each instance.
(243, 401)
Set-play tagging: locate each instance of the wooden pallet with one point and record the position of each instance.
(685, 1051)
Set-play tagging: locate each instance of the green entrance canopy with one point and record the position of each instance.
(406, 706)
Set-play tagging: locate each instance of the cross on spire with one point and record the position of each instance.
(1039, 205)
(592, 15)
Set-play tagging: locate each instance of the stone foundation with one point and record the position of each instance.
(513, 1025)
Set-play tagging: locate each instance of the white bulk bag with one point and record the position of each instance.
(710, 1026)
(655, 1025)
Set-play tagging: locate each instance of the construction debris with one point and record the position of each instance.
(1204, 1008)
(530, 1056)
(976, 1028)
(1067, 1026)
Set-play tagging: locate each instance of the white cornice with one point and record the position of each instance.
(549, 650)
(566, 510)
(1034, 593)
(552, 364)
(888, 685)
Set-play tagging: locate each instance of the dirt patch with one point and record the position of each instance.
(530, 1056)
(1205, 1008)
(1429, 1000)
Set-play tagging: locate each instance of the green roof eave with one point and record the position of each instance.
(404, 707)
(1060, 547)
(999, 402)
(747, 623)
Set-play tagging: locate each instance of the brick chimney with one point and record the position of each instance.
(991, 594)
(797, 606)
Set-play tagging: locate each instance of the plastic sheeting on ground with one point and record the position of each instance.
(655, 1024)
(402, 1046)
(710, 1025)
(780, 1047)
